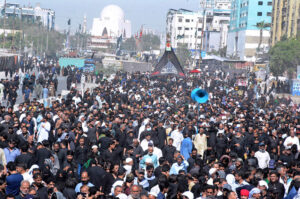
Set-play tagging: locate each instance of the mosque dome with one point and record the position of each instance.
(112, 13)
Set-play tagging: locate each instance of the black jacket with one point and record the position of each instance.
(97, 176)
(278, 187)
(168, 152)
(41, 155)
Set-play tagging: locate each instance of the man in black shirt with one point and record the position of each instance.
(169, 150)
(275, 185)
(42, 153)
(25, 157)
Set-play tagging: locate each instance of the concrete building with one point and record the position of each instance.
(184, 27)
(34, 14)
(217, 29)
(285, 19)
(244, 36)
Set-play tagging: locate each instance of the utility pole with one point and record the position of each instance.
(4, 23)
(21, 33)
(196, 40)
(13, 31)
(204, 6)
(47, 43)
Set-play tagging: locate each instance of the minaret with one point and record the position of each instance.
(84, 24)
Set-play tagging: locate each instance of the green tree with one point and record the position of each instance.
(261, 26)
(129, 44)
(150, 42)
(146, 43)
(285, 56)
(31, 34)
(184, 54)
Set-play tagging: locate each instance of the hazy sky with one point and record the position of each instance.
(152, 13)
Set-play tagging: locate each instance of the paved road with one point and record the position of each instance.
(62, 85)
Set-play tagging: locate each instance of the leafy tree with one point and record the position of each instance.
(147, 42)
(183, 54)
(285, 56)
(150, 42)
(32, 35)
(129, 44)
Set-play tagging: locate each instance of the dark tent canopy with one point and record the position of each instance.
(168, 64)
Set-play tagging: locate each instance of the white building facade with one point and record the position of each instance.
(184, 27)
(218, 26)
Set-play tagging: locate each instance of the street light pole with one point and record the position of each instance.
(21, 33)
(202, 31)
(4, 24)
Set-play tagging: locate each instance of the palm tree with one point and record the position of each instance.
(261, 26)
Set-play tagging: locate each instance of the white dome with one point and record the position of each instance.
(112, 12)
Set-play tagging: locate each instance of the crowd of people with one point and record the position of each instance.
(136, 136)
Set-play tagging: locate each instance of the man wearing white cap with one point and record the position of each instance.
(263, 186)
(149, 158)
(188, 195)
(212, 173)
(128, 165)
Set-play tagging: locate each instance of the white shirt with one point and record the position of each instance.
(157, 152)
(144, 144)
(155, 189)
(263, 159)
(43, 133)
(76, 99)
(292, 140)
(28, 177)
(1, 90)
(177, 137)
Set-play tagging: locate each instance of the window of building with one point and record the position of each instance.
(260, 3)
(187, 20)
(180, 20)
(269, 14)
(259, 14)
(199, 29)
(269, 3)
(187, 29)
(179, 28)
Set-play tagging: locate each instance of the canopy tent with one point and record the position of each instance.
(195, 71)
(168, 65)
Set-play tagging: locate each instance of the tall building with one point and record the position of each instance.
(285, 19)
(184, 27)
(217, 28)
(34, 14)
(244, 35)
